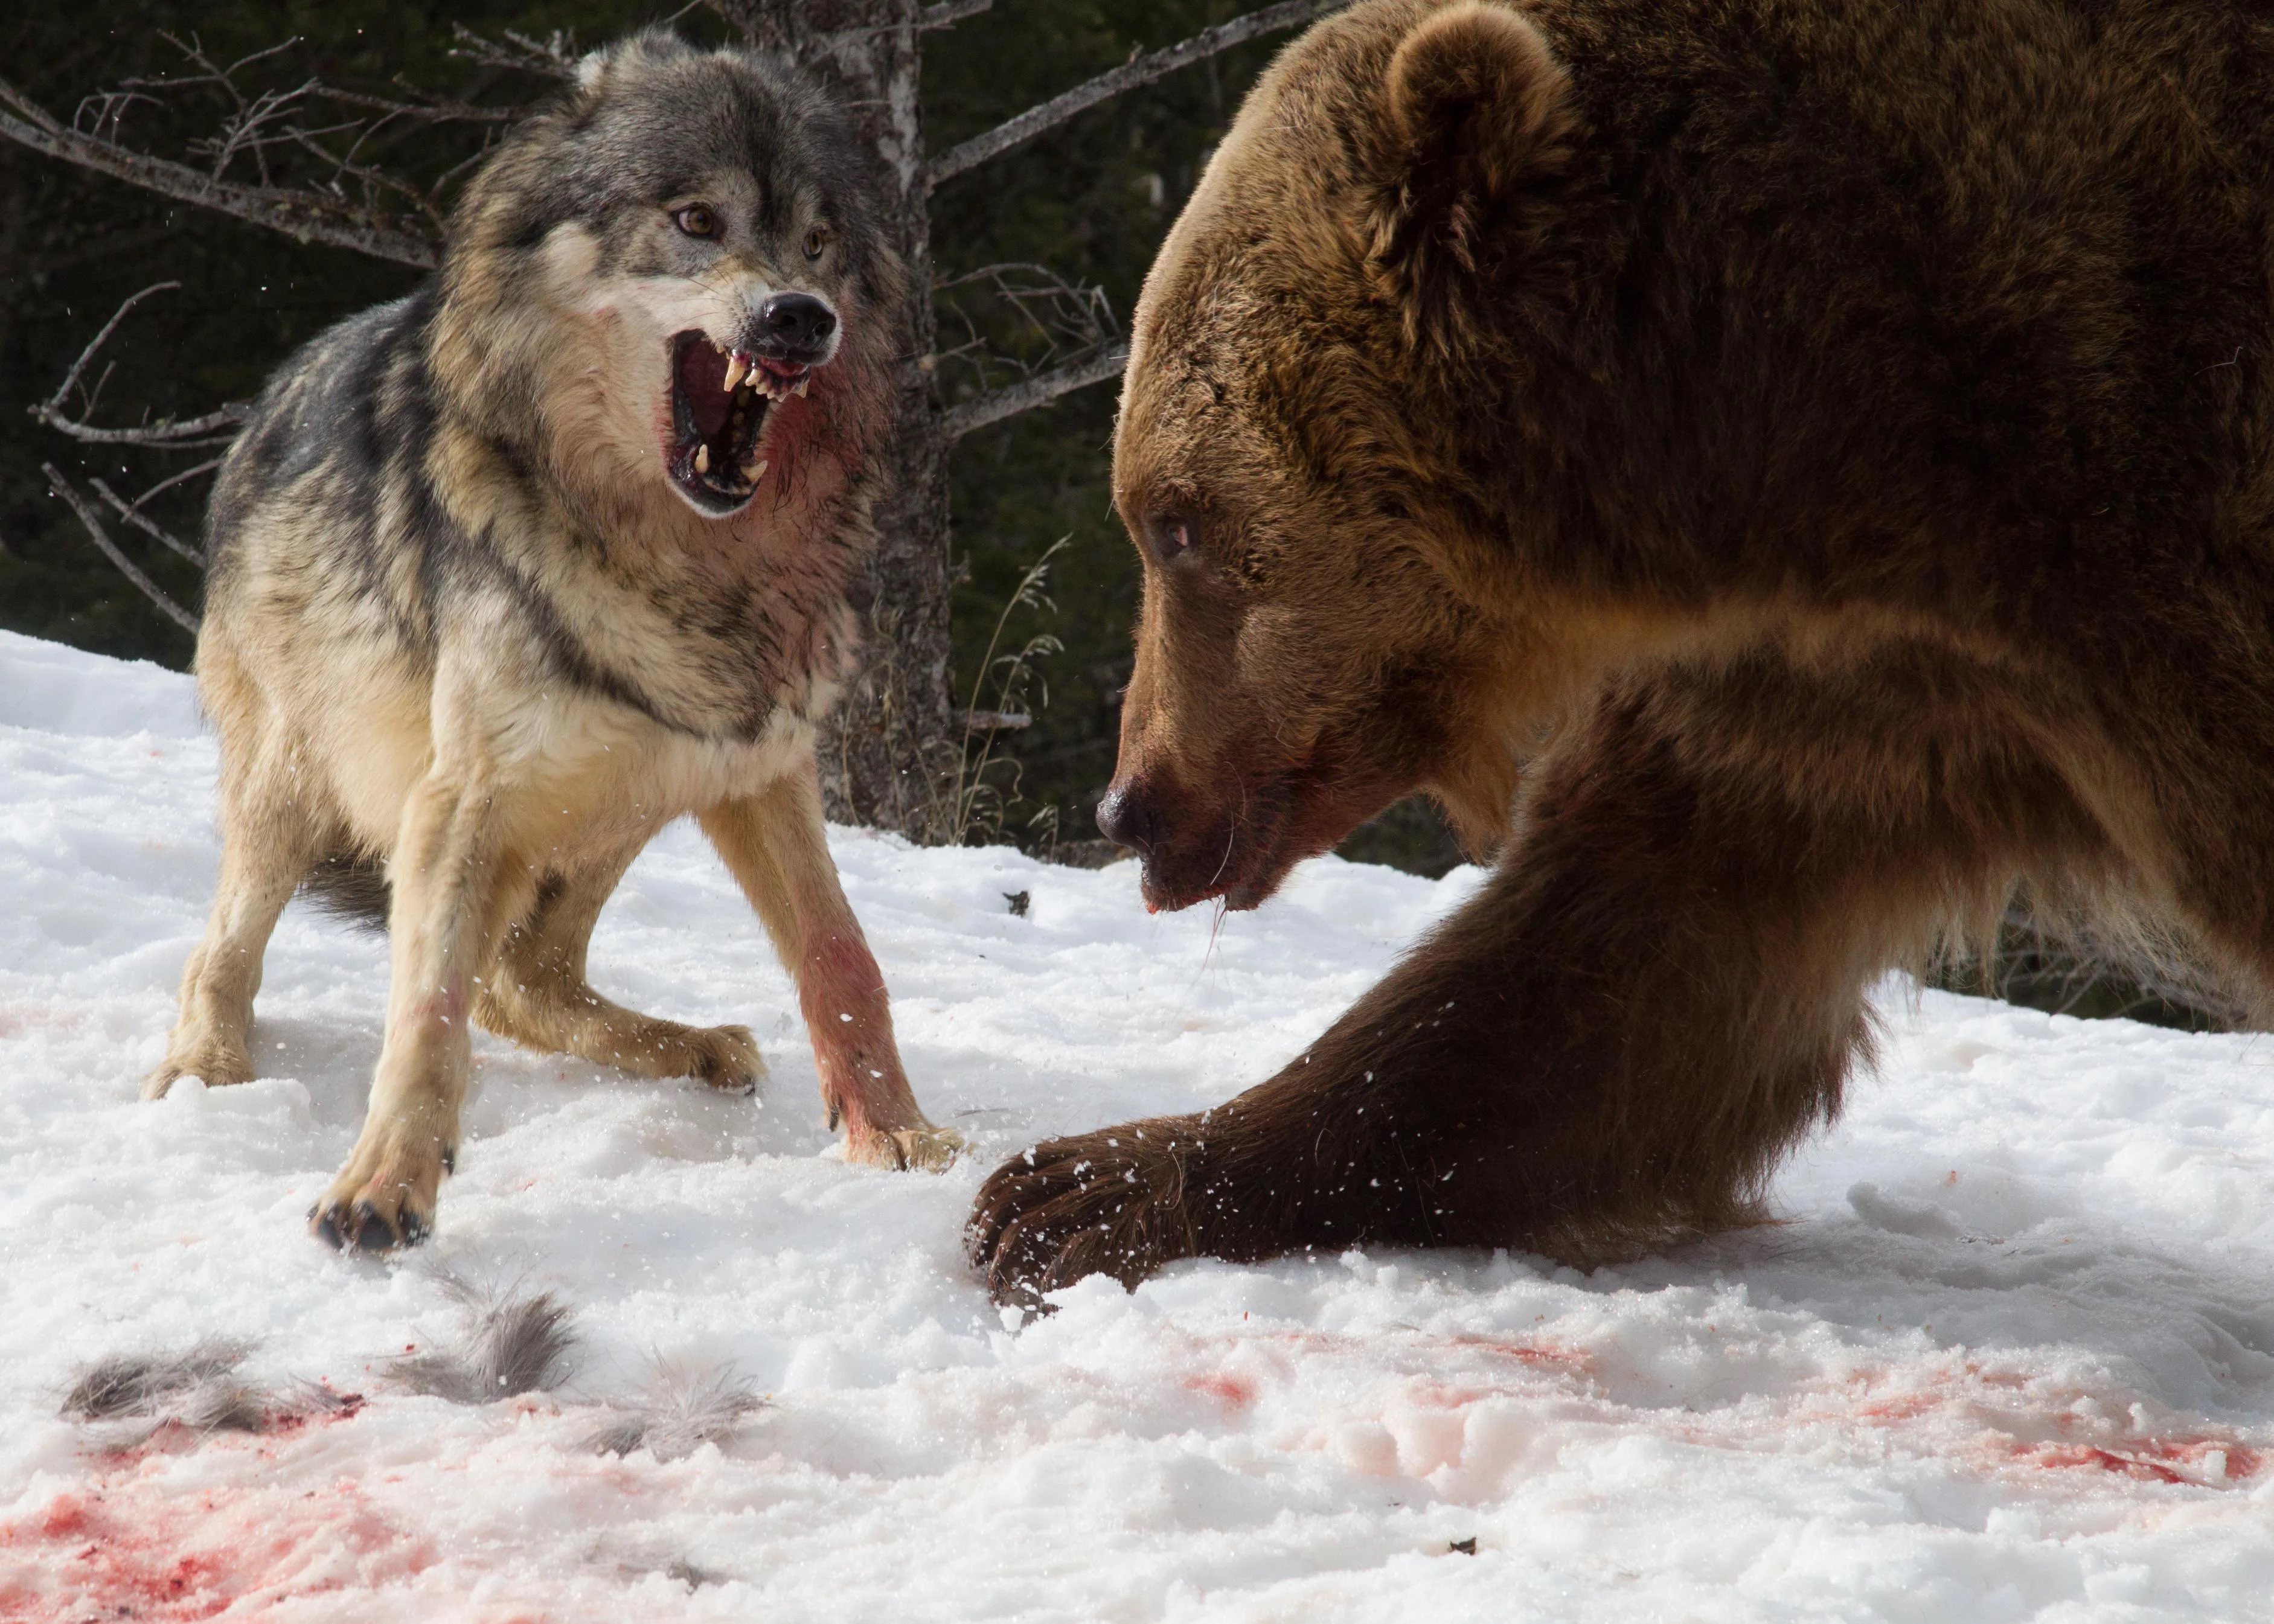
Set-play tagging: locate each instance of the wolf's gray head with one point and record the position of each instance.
(696, 235)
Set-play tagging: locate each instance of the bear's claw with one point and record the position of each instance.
(1122, 1202)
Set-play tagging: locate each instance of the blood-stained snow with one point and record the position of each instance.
(2009, 1355)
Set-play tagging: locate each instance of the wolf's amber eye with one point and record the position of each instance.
(697, 221)
(815, 241)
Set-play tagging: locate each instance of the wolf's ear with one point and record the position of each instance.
(1480, 119)
(649, 45)
(593, 67)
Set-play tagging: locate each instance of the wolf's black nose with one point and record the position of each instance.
(797, 322)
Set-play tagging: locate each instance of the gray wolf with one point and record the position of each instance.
(510, 574)
(1786, 472)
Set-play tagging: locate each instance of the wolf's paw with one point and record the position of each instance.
(216, 1065)
(1121, 1202)
(725, 1058)
(384, 1198)
(926, 1149)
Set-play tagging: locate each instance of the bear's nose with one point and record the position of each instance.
(796, 324)
(1128, 817)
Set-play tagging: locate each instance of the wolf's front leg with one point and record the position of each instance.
(450, 894)
(776, 845)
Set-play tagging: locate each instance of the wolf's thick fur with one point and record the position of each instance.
(1785, 469)
(487, 603)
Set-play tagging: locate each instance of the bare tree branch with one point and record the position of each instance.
(131, 511)
(80, 366)
(217, 427)
(1137, 71)
(947, 13)
(165, 436)
(1038, 321)
(302, 214)
(554, 58)
(778, 25)
(957, 421)
(87, 516)
(171, 480)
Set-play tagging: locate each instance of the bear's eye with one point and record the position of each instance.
(696, 220)
(1175, 537)
(816, 241)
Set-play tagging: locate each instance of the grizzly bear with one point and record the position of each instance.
(1785, 472)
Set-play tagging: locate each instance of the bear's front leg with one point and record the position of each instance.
(1656, 994)
(1403, 1126)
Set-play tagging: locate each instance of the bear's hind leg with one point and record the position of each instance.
(1659, 991)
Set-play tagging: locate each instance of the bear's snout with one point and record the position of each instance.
(1130, 817)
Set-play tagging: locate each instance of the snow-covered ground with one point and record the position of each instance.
(2010, 1355)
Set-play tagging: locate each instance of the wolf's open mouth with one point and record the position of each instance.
(720, 402)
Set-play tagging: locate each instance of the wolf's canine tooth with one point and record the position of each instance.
(702, 459)
(756, 472)
(804, 384)
(737, 369)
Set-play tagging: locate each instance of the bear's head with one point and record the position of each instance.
(1332, 616)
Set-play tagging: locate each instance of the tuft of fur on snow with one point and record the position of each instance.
(137, 1384)
(512, 1343)
(197, 1389)
(681, 1411)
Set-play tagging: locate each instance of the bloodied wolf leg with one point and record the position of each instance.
(510, 574)
(1719, 515)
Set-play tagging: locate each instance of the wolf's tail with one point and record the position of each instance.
(350, 886)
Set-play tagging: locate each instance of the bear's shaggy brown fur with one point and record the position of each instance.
(1786, 472)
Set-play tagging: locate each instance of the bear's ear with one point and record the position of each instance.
(1479, 118)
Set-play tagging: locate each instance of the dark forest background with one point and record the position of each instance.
(1090, 201)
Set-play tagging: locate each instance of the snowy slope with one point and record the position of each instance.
(2011, 1354)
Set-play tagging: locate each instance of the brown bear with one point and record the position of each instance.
(1786, 472)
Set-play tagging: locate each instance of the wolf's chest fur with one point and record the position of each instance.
(711, 630)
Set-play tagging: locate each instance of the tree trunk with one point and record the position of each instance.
(888, 759)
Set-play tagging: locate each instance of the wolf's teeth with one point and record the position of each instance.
(702, 459)
(737, 369)
(803, 385)
(755, 472)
